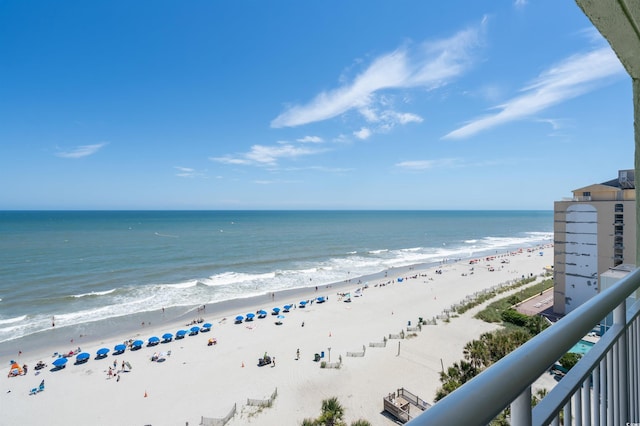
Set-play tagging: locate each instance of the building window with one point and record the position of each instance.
(586, 194)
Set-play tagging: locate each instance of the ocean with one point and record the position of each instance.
(85, 270)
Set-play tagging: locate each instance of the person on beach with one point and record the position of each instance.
(298, 354)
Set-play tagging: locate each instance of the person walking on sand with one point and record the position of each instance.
(298, 354)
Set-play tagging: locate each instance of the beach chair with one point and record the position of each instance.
(40, 388)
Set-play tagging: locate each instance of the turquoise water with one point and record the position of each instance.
(582, 347)
(83, 267)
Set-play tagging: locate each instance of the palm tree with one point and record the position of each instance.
(332, 412)
(477, 354)
(360, 422)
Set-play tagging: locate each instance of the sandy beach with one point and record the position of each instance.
(196, 379)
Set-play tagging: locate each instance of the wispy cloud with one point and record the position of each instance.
(428, 66)
(310, 139)
(187, 172)
(362, 134)
(81, 151)
(429, 164)
(263, 155)
(573, 77)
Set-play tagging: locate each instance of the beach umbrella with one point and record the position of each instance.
(82, 356)
(154, 340)
(194, 330)
(167, 337)
(206, 325)
(276, 310)
(120, 348)
(250, 316)
(303, 303)
(262, 313)
(180, 334)
(102, 351)
(60, 362)
(286, 308)
(137, 344)
(279, 319)
(239, 318)
(320, 299)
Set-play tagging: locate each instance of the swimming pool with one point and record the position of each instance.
(582, 347)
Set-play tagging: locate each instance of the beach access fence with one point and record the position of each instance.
(358, 354)
(263, 402)
(382, 344)
(210, 421)
(397, 336)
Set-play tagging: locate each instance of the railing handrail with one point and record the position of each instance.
(486, 395)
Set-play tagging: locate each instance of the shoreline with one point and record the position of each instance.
(196, 372)
(98, 332)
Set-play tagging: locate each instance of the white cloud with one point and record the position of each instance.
(402, 117)
(82, 151)
(310, 139)
(187, 172)
(429, 66)
(429, 164)
(267, 155)
(571, 78)
(363, 133)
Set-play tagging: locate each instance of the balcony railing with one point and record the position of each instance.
(603, 388)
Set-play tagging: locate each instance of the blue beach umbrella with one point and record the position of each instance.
(82, 357)
(167, 337)
(102, 351)
(250, 316)
(279, 319)
(239, 319)
(119, 348)
(180, 334)
(287, 308)
(154, 340)
(194, 330)
(137, 344)
(60, 362)
(320, 299)
(276, 311)
(303, 303)
(262, 313)
(206, 326)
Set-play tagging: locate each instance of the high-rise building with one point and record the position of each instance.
(593, 232)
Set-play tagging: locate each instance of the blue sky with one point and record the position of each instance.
(407, 104)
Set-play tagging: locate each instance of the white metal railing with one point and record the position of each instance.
(603, 388)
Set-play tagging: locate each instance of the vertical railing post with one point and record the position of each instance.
(596, 400)
(521, 409)
(586, 401)
(620, 318)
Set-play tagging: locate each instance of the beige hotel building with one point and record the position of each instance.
(594, 232)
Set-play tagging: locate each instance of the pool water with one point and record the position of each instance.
(582, 347)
